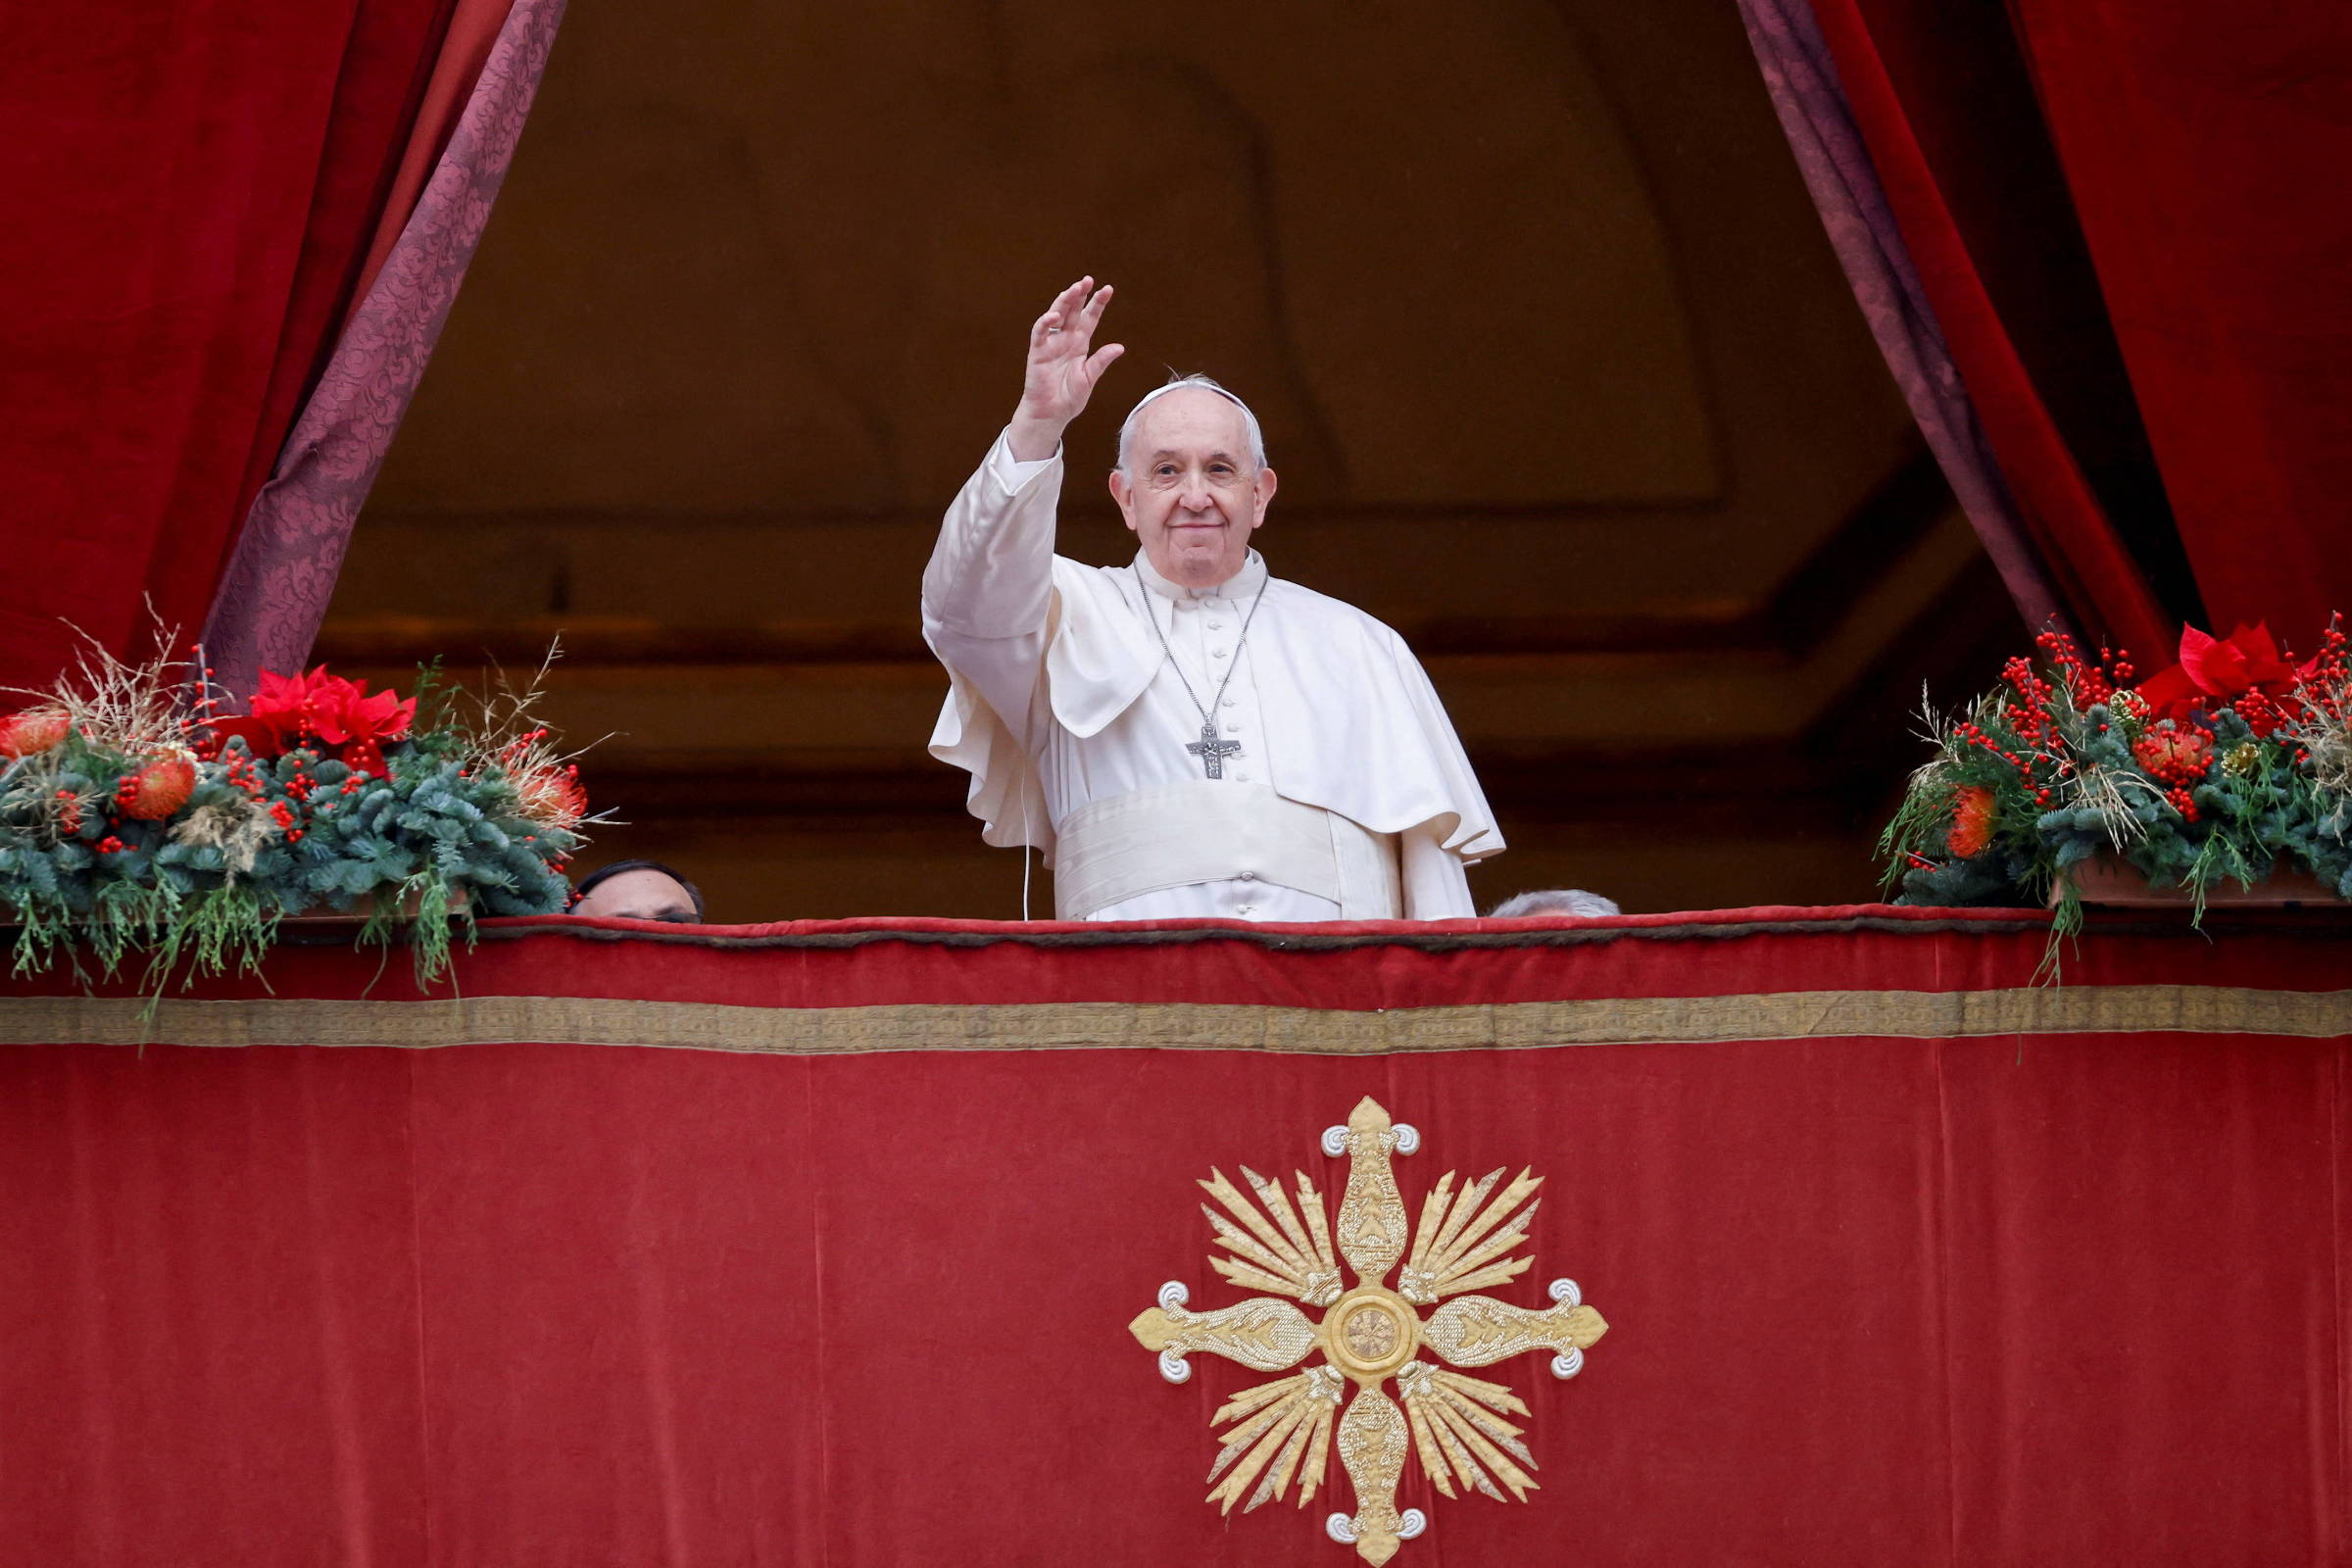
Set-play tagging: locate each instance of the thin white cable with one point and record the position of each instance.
(1026, 846)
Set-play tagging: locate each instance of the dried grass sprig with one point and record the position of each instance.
(498, 730)
(129, 709)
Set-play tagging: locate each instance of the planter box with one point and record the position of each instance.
(2118, 883)
(324, 918)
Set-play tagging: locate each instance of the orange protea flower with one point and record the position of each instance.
(33, 731)
(1972, 823)
(553, 796)
(157, 790)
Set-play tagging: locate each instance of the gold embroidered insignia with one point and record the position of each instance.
(1283, 1431)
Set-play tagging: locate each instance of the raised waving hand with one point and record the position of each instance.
(1063, 367)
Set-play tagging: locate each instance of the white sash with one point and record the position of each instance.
(1182, 834)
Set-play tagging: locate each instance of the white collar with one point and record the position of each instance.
(1240, 585)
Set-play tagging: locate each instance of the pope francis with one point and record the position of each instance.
(1185, 735)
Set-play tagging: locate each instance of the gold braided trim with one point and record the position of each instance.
(1183, 1026)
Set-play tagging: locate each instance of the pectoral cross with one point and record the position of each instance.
(1211, 750)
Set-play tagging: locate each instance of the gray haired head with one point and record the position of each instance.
(1179, 384)
(1554, 901)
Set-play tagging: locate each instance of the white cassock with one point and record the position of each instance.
(1347, 798)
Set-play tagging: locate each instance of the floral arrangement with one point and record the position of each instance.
(135, 813)
(2231, 764)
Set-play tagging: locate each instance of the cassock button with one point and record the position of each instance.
(1241, 778)
(1249, 876)
(1216, 625)
(1233, 729)
(1245, 908)
(1230, 700)
(1216, 653)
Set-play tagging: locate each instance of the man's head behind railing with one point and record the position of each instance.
(638, 890)
(1554, 901)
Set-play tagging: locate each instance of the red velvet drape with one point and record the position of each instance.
(465, 45)
(196, 186)
(2127, 217)
(1933, 91)
(2018, 1294)
(2209, 150)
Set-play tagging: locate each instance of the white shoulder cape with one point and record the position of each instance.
(1360, 729)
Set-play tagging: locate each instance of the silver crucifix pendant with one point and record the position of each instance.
(1211, 750)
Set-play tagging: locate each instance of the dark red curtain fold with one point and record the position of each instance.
(467, 42)
(274, 591)
(1942, 104)
(2128, 219)
(2208, 152)
(198, 185)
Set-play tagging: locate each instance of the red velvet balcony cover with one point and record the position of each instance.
(1906, 1258)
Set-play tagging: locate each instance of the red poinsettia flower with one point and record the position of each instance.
(1972, 821)
(2214, 670)
(341, 716)
(358, 724)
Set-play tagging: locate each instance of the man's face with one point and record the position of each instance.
(1189, 488)
(640, 894)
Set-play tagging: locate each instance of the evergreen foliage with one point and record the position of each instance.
(2229, 768)
(103, 855)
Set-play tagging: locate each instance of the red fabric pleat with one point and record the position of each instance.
(195, 183)
(465, 44)
(2042, 1300)
(386, 68)
(1870, 39)
(2208, 152)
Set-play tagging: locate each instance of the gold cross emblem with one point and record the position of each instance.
(1282, 1431)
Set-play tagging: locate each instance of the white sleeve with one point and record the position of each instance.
(1437, 885)
(987, 590)
(1010, 471)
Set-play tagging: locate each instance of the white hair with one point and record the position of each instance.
(1554, 901)
(1179, 383)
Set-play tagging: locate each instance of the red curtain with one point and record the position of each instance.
(196, 186)
(2127, 217)
(2024, 1291)
(1943, 106)
(2208, 150)
(465, 45)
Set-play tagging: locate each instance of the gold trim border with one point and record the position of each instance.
(1182, 1026)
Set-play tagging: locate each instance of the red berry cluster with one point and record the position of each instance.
(2088, 683)
(110, 845)
(68, 811)
(1974, 735)
(2261, 713)
(250, 776)
(2179, 756)
(301, 787)
(2331, 675)
(205, 746)
(246, 774)
(2030, 713)
(521, 743)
